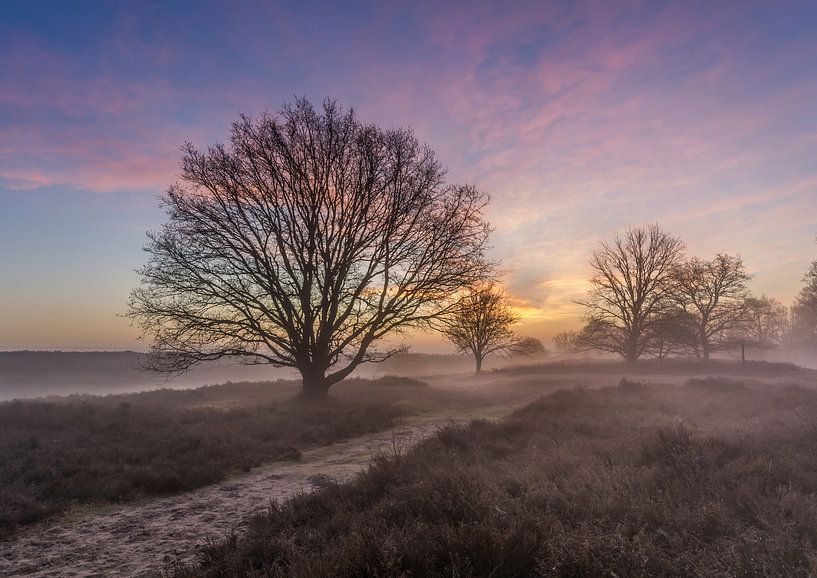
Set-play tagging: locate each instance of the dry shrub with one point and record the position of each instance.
(624, 481)
(57, 454)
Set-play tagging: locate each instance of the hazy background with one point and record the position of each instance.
(28, 374)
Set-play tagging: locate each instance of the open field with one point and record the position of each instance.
(64, 452)
(136, 537)
(490, 480)
(704, 476)
(143, 536)
(85, 449)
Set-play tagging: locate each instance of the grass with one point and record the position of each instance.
(88, 449)
(716, 477)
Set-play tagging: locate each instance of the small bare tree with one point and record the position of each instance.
(566, 341)
(481, 322)
(631, 287)
(763, 324)
(303, 244)
(602, 335)
(528, 347)
(713, 292)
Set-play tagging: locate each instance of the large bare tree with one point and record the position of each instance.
(303, 244)
(631, 288)
(481, 324)
(713, 292)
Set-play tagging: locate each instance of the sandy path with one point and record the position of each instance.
(138, 539)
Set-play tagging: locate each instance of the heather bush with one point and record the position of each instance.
(632, 480)
(86, 449)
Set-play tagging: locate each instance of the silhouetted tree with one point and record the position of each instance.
(480, 324)
(528, 347)
(763, 325)
(674, 333)
(303, 243)
(566, 341)
(602, 335)
(713, 292)
(631, 287)
(804, 311)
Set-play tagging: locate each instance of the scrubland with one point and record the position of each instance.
(60, 453)
(575, 469)
(710, 476)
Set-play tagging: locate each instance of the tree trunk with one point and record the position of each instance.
(705, 347)
(315, 385)
(479, 363)
(631, 348)
(631, 351)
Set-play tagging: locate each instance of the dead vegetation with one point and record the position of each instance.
(713, 477)
(88, 449)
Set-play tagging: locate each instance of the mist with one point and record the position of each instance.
(313, 289)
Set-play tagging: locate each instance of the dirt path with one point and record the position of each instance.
(138, 539)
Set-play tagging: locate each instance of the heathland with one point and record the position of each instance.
(574, 468)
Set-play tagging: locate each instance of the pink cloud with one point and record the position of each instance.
(611, 122)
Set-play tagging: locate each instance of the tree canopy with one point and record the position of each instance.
(631, 288)
(304, 243)
(481, 323)
(714, 294)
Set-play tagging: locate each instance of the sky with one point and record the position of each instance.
(578, 118)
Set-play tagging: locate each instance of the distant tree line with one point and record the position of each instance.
(647, 299)
(313, 237)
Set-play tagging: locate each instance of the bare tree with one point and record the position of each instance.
(673, 334)
(566, 341)
(763, 324)
(528, 347)
(303, 244)
(631, 287)
(602, 335)
(803, 329)
(481, 323)
(714, 293)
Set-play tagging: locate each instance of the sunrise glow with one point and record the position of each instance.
(579, 119)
